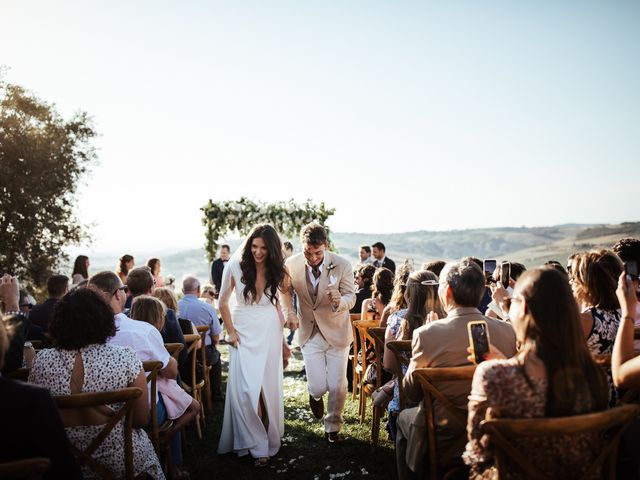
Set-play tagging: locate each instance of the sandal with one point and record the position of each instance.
(261, 462)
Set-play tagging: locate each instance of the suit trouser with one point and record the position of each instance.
(326, 366)
(411, 447)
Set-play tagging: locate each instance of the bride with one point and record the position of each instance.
(253, 412)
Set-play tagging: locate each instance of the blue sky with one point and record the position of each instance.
(401, 115)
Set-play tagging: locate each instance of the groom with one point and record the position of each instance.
(325, 288)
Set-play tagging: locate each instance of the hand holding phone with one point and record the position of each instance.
(505, 274)
(478, 340)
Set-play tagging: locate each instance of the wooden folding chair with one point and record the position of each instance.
(429, 378)
(505, 432)
(87, 400)
(152, 368)
(195, 387)
(401, 350)
(355, 372)
(174, 349)
(364, 338)
(377, 334)
(27, 469)
(202, 330)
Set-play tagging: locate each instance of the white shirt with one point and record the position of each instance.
(143, 337)
(315, 281)
(380, 262)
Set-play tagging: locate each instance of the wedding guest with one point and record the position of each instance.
(32, 425)
(365, 255)
(217, 267)
(628, 249)
(171, 332)
(180, 406)
(382, 288)
(201, 313)
(208, 294)
(435, 266)
(594, 278)
(444, 343)
(125, 263)
(145, 340)
(548, 327)
(155, 266)
(140, 282)
(57, 287)
(15, 321)
(625, 363)
(80, 269)
(364, 284)
(422, 304)
(83, 361)
(398, 300)
(287, 249)
(381, 260)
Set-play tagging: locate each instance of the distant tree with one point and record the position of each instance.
(42, 159)
(241, 215)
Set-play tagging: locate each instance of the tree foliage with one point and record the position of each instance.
(42, 159)
(239, 216)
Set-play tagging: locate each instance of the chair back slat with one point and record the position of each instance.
(400, 349)
(174, 349)
(126, 396)
(153, 367)
(610, 424)
(428, 377)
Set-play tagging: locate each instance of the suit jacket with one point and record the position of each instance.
(217, 268)
(387, 263)
(444, 343)
(41, 314)
(335, 326)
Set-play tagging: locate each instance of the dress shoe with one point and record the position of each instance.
(333, 438)
(317, 407)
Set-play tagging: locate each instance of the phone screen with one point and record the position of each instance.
(505, 270)
(480, 340)
(631, 268)
(489, 266)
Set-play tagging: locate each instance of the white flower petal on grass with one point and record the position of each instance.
(364, 471)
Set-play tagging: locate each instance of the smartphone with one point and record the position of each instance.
(505, 273)
(631, 269)
(489, 266)
(478, 340)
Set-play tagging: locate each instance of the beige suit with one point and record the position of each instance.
(325, 335)
(443, 343)
(317, 309)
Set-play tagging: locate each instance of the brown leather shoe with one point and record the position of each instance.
(317, 407)
(333, 438)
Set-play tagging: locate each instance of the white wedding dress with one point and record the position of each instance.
(254, 366)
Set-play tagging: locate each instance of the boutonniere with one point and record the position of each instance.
(330, 267)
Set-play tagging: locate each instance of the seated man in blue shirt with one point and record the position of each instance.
(201, 313)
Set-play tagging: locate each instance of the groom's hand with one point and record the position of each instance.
(334, 297)
(292, 321)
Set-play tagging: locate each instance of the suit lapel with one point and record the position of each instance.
(301, 275)
(324, 279)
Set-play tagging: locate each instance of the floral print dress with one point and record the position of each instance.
(501, 390)
(106, 367)
(601, 339)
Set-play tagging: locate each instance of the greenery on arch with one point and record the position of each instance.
(240, 216)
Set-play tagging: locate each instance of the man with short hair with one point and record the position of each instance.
(217, 267)
(381, 260)
(143, 337)
(57, 287)
(444, 343)
(323, 284)
(365, 255)
(201, 313)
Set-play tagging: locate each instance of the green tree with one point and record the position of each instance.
(42, 160)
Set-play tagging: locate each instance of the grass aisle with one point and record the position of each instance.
(304, 453)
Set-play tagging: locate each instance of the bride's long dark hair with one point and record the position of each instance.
(274, 264)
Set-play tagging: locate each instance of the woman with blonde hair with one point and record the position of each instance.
(397, 301)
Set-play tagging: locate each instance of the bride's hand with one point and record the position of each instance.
(233, 339)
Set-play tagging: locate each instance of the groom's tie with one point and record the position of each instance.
(376, 263)
(316, 271)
